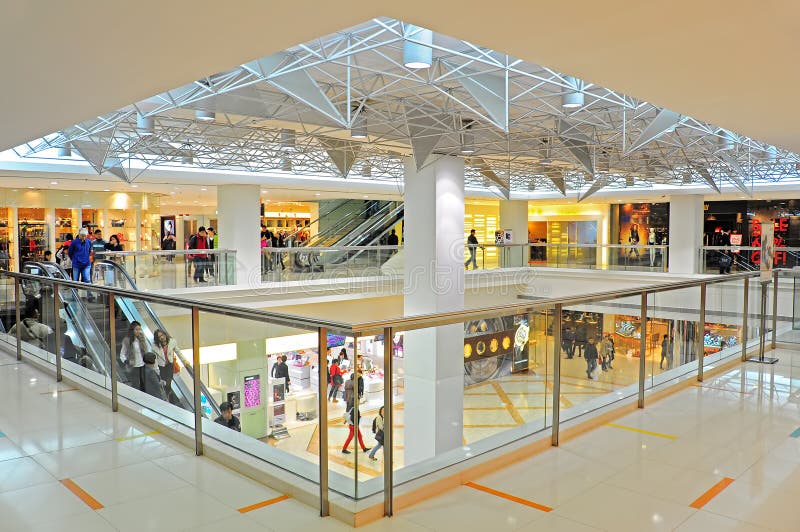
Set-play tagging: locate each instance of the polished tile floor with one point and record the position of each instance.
(723, 455)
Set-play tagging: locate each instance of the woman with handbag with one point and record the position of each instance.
(336, 380)
(377, 429)
(166, 349)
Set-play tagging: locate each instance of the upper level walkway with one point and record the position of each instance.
(719, 455)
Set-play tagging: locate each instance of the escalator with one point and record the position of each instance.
(86, 325)
(110, 274)
(363, 224)
(87, 345)
(367, 228)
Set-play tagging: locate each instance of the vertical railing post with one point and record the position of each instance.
(642, 349)
(698, 336)
(112, 346)
(57, 332)
(388, 427)
(745, 317)
(774, 308)
(356, 414)
(198, 412)
(17, 305)
(322, 342)
(556, 372)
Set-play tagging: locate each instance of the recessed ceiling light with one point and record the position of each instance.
(53, 182)
(204, 189)
(172, 193)
(178, 202)
(106, 190)
(317, 194)
(30, 187)
(135, 185)
(366, 196)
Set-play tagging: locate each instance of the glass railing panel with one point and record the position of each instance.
(85, 341)
(722, 336)
(157, 270)
(301, 264)
(787, 307)
(596, 329)
(269, 373)
(674, 330)
(8, 318)
(147, 366)
(490, 376)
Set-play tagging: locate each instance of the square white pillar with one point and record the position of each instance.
(239, 215)
(434, 282)
(685, 233)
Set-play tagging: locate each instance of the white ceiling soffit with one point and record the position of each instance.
(343, 153)
(298, 83)
(598, 183)
(664, 121)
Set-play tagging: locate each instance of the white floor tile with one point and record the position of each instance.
(181, 509)
(86, 459)
(290, 515)
(221, 483)
(22, 473)
(43, 503)
(703, 521)
(128, 483)
(83, 522)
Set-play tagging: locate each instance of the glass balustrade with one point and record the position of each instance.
(157, 270)
(429, 392)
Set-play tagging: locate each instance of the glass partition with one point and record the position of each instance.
(156, 270)
(304, 263)
(674, 330)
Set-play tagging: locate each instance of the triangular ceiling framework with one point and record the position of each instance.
(597, 184)
(296, 83)
(343, 153)
(486, 171)
(664, 122)
(577, 143)
(739, 175)
(425, 131)
(489, 91)
(96, 154)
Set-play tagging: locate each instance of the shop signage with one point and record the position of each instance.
(489, 345)
(779, 231)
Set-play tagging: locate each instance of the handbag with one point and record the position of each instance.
(176, 368)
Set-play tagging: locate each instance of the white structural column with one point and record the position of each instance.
(434, 282)
(239, 229)
(514, 217)
(685, 233)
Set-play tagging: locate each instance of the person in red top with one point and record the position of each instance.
(337, 377)
(199, 241)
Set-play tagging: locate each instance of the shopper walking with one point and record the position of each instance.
(666, 353)
(568, 342)
(80, 254)
(211, 240)
(605, 353)
(725, 261)
(377, 430)
(199, 241)
(352, 415)
(98, 244)
(591, 358)
(336, 380)
(472, 246)
(580, 339)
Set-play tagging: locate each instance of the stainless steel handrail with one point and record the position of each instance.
(227, 310)
(437, 319)
(163, 252)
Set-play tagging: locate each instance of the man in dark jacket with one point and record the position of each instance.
(227, 419)
(281, 371)
(152, 378)
(199, 241)
(580, 339)
(568, 342)
(591, 357)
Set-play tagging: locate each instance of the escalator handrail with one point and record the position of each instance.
(49, 268)
(293, 234)
(152, 315)
(343, 229)
(370, 223)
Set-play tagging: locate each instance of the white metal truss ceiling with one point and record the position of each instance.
(294, 111)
